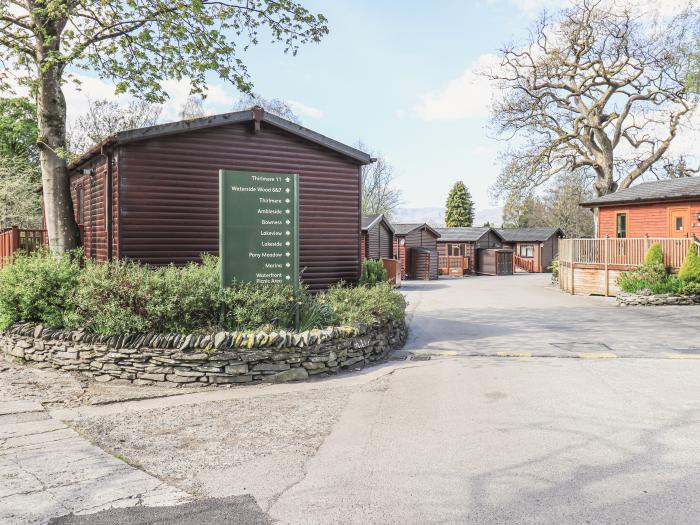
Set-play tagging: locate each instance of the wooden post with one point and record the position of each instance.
(573, 270)
(605, 260)
(14, 246)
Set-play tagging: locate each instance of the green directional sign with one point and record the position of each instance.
(259, 227)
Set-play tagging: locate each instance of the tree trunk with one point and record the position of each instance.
(62, 229)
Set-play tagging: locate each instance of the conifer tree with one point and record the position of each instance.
(460, 208)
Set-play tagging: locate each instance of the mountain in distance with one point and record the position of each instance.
(436, 216)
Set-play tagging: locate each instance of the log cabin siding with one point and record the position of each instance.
(165, 195)
(646, 219)
(377, 242)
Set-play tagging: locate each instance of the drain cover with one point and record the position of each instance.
(420, 358)
(582, 347)
(687, 350)
(398, 358)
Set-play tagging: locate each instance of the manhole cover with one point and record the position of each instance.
(582, 347)
(420, 358)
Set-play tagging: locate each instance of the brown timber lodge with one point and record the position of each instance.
(151, 194)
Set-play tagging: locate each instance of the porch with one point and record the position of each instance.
(591, 266)
(453, 265)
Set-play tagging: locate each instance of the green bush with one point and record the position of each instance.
(121, 296)
(690, 270)
(38, 287)
(373, 272)
(646, 276)
(654, 256)
(364, 304)
(111, 298)
(554, 266)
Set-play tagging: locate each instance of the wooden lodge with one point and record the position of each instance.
(377, 237)
(415, 246)
(628, 222)
(152, 194)
(666, 208)
(533, 248)
(458, 248)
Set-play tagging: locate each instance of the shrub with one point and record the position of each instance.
(251, 306)
(654, 256)
(554, 267)
(690, 270)
(112, 298)
(38, 287)
(364, 304)
(373, 272)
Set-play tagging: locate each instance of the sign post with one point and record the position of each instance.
(259, 228)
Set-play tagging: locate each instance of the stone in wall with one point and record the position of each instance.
(211, 359)
(649, 299)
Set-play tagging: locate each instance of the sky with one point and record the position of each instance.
(396, 75)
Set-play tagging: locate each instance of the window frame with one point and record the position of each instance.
(531, 249)
(624, 214)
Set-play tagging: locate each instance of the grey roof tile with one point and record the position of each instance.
(662, 190)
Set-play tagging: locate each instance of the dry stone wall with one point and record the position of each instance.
(664, 299)
(220, 358)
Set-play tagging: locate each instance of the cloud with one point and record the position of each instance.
(303, 110)
(467, 96)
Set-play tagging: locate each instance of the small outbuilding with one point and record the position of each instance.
(152, 194)
(663, 209)
(533, 248)
(415, 245)
(377, 237)
(458, 248)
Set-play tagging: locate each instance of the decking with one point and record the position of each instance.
(453, 265)
(591, 266)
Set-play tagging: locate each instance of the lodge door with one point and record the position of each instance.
(679, 222)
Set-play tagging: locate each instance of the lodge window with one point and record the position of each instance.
(621, 226)
(679, 224)
(456, 250)
(81, 205)
(527, 250)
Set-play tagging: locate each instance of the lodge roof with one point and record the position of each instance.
(472, 234)
(661, 190)
(249, 115)
(370, 220)
(405, 229)
(528, 234)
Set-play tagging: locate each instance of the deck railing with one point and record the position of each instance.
(594, 264)
(524, 263)
(453, 264)
(25, 240)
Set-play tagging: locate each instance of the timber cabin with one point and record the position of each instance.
(533, 248)
(377, 237)
(660, 209)
(152, 194)
(415, 245)
(458, 248)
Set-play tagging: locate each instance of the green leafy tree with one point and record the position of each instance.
(655, 255)
(460, 207)
(18, 129)
(136, 44)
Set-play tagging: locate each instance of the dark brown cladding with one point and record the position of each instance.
(167, 195)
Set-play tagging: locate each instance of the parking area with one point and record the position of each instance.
(524, 314)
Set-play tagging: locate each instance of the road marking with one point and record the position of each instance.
(682, 356)
(596, 355)
(514, 354)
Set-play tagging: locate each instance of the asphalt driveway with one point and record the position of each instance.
(524, 313)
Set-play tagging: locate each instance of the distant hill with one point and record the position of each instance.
(436, 216)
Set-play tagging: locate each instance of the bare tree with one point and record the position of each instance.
(380, 194)
(19, 201)
(107, 117)
(193, 108)
(595, 88)
(275, 106)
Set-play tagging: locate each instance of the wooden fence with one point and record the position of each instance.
(524, 263)
(591, 266)
(14, 239)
